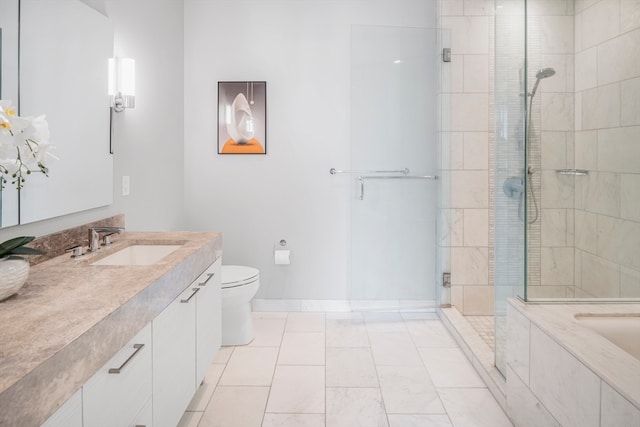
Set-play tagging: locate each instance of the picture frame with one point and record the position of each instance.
(242, 117)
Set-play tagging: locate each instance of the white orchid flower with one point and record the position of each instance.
(24, 145)
(6, 109)
(5, 126)
(44, 156)
(9, 166)
(38, 130)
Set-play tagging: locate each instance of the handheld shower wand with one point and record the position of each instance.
(541, 74)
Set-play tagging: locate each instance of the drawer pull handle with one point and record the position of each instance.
(209, 276)
(138, 347)
(195, 291)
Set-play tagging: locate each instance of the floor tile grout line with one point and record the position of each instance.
(325, 370)
(273, 374)
(226, 363)
(375, 366)
(436, 389)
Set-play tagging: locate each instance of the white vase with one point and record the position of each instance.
(13, 274)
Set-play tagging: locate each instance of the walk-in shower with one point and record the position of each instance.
(580, 236)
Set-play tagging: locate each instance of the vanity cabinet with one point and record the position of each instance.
(144, 418)
(152, 379)
(174, 358)
(186, 338)
(116, 394)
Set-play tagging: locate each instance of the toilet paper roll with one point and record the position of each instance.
(282, 256)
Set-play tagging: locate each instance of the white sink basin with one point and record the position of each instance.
(138, 255)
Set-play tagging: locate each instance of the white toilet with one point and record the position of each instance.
(239, 286)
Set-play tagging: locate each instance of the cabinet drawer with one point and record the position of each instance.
(120, 389)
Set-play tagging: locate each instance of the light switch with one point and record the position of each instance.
(126, 189)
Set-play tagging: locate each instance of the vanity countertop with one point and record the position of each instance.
(71, 317)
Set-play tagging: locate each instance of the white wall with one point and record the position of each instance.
(302, 50)
(148, 140)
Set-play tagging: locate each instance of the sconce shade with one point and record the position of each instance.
(122, 83)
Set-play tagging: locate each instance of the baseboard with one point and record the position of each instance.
(343, 305)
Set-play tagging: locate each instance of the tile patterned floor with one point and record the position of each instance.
(484, 326)
(344, 369)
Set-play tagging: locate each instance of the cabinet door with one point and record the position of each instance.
(116, 393)
(144, 417)
(69, 414)
(174, 346)
(208, 319)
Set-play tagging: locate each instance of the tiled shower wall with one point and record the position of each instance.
(467, 221)
(550, 238)
(586, 242)
(607, 144)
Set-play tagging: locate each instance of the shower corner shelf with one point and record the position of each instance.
(574, 172)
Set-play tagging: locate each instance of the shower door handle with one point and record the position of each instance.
(361, 181)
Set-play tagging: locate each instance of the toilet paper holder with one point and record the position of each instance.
(281, 255)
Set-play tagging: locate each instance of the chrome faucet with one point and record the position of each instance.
(94, 236)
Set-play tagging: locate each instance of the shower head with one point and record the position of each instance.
(544, 73)
(541, 74)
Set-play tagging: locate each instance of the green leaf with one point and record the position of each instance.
(27, 251)
(15, 246)
(16, 242)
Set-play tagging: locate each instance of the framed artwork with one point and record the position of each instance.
(242, 117)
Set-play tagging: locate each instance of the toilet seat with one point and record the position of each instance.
(238, 275)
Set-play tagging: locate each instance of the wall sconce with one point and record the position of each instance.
(122, 83)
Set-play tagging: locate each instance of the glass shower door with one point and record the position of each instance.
(394, 93)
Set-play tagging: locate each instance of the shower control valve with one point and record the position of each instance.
(513, 187)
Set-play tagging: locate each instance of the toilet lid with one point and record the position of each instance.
(238, 275)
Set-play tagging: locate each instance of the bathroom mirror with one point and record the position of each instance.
(64, 46)
(9, 10)
(64, 50)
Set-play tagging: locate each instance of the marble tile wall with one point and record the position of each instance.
(466, 152)
(607, 126)
(587, 116)
(550, 237)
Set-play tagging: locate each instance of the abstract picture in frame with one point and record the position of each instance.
(242, 117)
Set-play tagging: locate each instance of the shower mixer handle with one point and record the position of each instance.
(513, 187)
